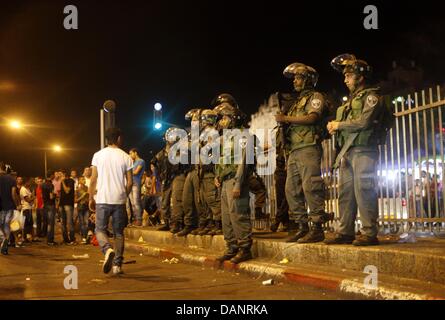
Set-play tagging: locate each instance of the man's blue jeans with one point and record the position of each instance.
(135, 199)
(67, 223)
(50, 213)
(5, 219)
(103, 214)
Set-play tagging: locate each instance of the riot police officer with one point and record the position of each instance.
(303, 181)
(255, 182)
(210, 197)
(167, 172)
(231, 178)
(193, 210)
(357, 135)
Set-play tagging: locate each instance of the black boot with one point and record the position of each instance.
(197, 230)
(176, 228)
(340, 239)
(303, 230)
(217, 230)
(292, 228)
(209, 227)
(315, 235)
(185, 231)
(229, 254)
(274, 227)
(165, 227)
(243, 255)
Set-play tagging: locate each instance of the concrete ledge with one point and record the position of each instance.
(347, 283)
(423, 261)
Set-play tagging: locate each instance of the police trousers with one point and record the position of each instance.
(304, 185)
(210, 197)
(176, 199)
(358, 190)
(235, 214)
(191, 201)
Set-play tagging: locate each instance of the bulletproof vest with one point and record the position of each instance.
(352, 110)
(227, 171)
(300, 136)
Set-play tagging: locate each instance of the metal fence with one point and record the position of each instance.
(410, 173)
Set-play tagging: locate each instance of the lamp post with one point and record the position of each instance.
(107, 119)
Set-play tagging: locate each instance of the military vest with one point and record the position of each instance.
(352, 110)
(300, 136)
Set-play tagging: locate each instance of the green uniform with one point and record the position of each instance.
(357, 185)
(210, 196)
(193, 209)
(236, 222)
(304, 184)
(165, 174)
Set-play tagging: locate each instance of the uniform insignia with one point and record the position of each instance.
(316, 103)
(372, 100)
(243, 143)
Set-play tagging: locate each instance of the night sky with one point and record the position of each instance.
(181, 54)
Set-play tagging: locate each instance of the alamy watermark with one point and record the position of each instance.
(234, 146)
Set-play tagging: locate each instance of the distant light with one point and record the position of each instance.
(345, 98)
(57, 148)
(399, 99)
(158, 106)
(15, 124)
(158, 126)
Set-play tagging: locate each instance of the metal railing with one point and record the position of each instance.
(410, 173)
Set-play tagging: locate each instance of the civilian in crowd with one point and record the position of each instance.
(87, 176)
(8, 203)
(113, 179)
(67, 210)
(41, 223)
(82, 208)
(49, 206)
(135, 195)
(27, 201)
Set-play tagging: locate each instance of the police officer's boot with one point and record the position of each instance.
(165, 227)
(243, 255)
(209, 227)
(303, 230)
(217, 229)
(185, 231)
(292, 228)
(315, 235)
(274, 226)
(176, 228)
(229, 254)
(198, 230)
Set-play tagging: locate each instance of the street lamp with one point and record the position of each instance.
(15, 124)
(55, 148)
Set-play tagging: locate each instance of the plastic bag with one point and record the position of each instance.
(17, 222)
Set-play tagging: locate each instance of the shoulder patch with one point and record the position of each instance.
(316, 103)
(372, 100)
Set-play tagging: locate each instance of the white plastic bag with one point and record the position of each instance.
(17, 222)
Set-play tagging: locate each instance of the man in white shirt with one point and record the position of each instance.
(113, 179)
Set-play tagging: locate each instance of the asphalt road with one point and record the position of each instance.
(37, 272)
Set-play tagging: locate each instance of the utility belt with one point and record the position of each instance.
(228, 177)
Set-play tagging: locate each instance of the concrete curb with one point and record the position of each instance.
(290, 275)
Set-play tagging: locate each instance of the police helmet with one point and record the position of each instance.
(309, 74)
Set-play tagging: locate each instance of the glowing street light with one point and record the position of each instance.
(57, 148)
(15, 124)
(158, 126)
(158, 106)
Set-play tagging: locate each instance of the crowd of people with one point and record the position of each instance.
(33, 207)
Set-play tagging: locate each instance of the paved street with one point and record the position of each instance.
(37, 272)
